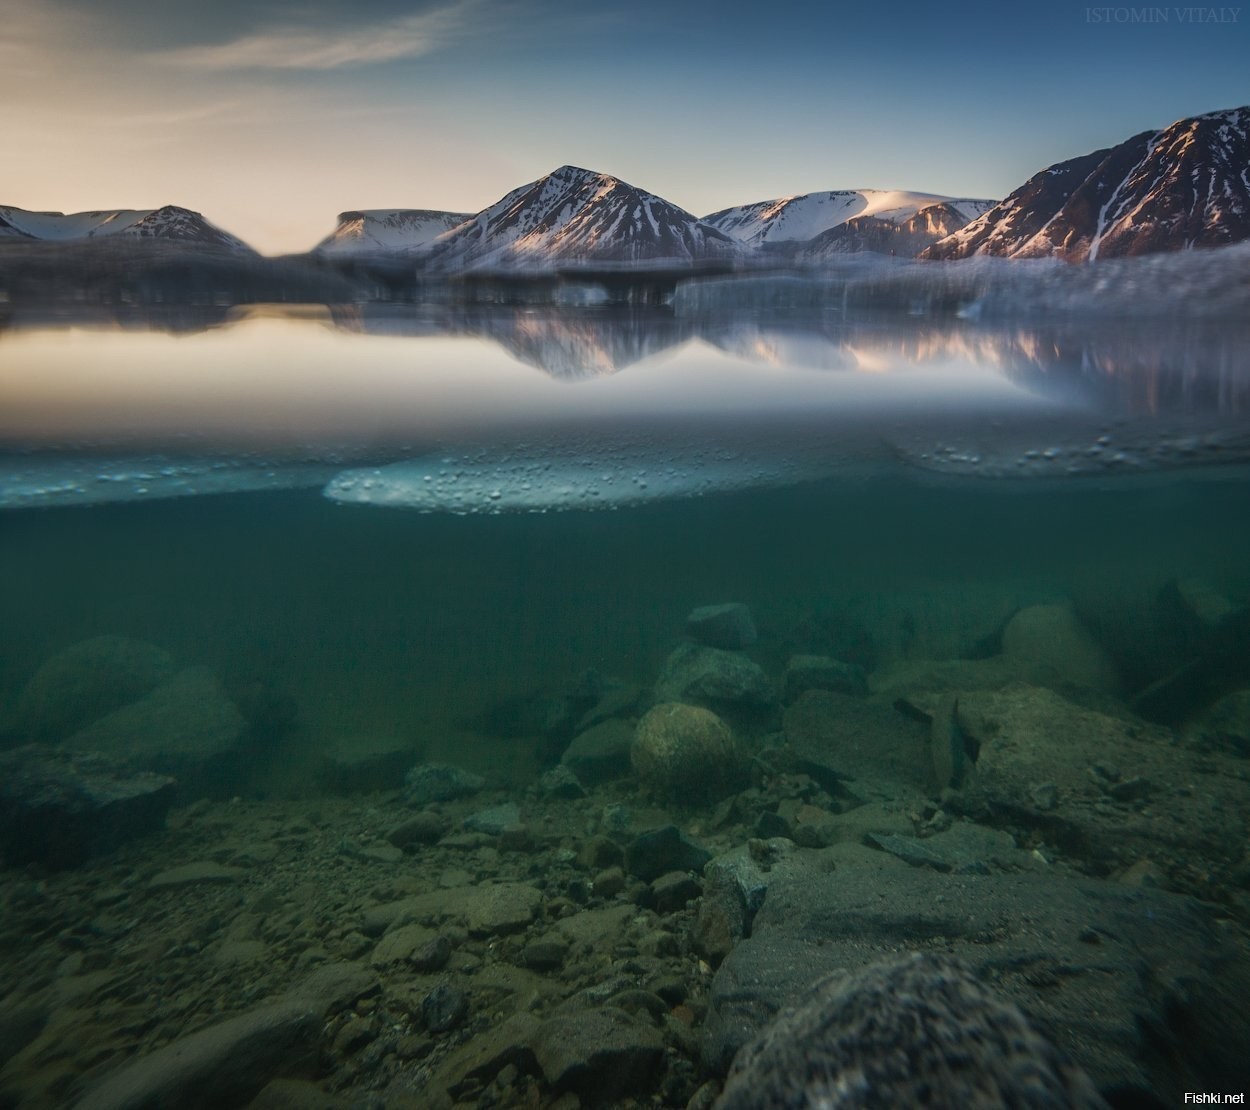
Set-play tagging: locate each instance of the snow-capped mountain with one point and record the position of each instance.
(1185, 187)
(386, 230)
(888, 234)
(579, 219)
(169, 223)
(789, 221)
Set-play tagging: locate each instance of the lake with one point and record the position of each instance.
(284, 554)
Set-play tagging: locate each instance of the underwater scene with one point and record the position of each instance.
(524, 704)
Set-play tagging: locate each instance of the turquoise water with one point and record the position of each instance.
(444, 536)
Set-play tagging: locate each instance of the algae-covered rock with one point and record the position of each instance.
(685, 753)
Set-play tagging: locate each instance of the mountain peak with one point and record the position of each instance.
(580, 218)
(1180, 188)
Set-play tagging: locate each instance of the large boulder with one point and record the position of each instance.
(1104, 791)
(59, 808)
(685, 753)
(915, 1030)
(1052, 639)
(1112, 972)
(87, 681)
(714, 678)
(186, 727)
(841, 739)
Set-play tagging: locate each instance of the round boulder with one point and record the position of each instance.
(684, 752)
(915, 1030)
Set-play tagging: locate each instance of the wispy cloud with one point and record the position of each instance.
(300, 48)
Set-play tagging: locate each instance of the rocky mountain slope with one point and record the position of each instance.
(1182, 188)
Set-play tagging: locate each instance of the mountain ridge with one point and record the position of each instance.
(168, 222)
(1184, 187)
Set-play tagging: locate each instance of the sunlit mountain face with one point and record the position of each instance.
(1183, 188)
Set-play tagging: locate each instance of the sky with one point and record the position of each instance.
(272, 116)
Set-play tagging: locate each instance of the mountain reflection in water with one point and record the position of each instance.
(797, 394)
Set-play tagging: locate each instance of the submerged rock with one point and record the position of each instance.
(1121, 970)
(87, 681)
(821, 672)
(838, 738)
(601, 753)
(185, 727)
(1052, 637)
(439, 782)
(227, 1063)
(918, 1030)
(603, 1055)
(1225, 726)
(722, 626)
(708, 675)
(649, 855)
(361, 764)
(1103, 790)
(686, 753)
(59, 808)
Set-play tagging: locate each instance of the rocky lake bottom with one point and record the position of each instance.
(560, 811)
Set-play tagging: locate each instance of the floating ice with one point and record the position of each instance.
(36, 482)
(569, 476)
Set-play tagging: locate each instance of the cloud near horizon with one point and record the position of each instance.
(298, 48)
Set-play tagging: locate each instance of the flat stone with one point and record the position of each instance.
(439, 782)
(864, 744)
(223, 1065)
(59, 808)
(399, 945)
(493, 821)
(238, 952)
(821, 672)
(1106, 1000)
(202, 873)
(500, 908)
(297, 1094)
(600, 1054)
(1101, 789)
(227, 1063)
(481, 1059)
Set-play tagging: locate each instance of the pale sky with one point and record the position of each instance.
(272, 116)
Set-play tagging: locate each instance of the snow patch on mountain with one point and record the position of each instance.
(577, 218)
(387, 230)
(1185, 187)
(797, 219)
(169, 222)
